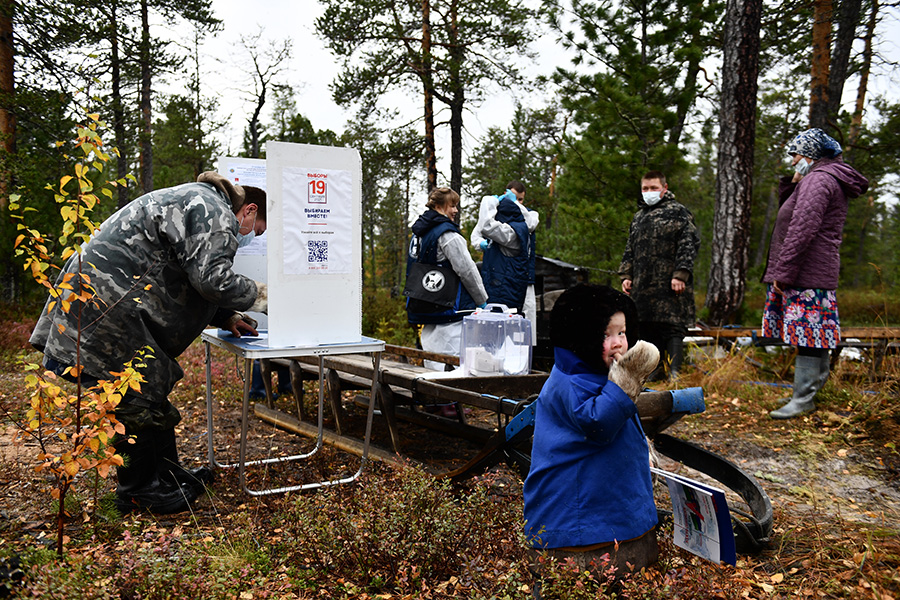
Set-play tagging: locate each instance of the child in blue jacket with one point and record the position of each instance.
(589, 492)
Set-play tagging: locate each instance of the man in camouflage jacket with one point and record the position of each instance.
(161, 271)
(657, 269)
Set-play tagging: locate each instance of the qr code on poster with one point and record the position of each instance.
(318, 251)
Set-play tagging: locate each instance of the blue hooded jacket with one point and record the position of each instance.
(589, 481)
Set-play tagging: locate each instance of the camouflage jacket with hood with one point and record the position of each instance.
(161, 271)
(662, 245)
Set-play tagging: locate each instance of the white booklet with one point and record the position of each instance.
(702, 519)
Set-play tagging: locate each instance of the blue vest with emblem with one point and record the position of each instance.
(423, 249)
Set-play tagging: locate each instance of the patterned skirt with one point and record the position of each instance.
(802, 317)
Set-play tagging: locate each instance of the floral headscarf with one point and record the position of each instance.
(814, 144)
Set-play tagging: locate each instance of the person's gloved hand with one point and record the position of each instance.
(510, 195)
(483, 305)
(261, 304)
(484, 245)
(630, 371)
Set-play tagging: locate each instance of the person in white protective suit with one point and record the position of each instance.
(492, 235)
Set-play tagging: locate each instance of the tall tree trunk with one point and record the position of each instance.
(7, 98)
(856, 121)
(848, 20)
(8, 145)
(821, 58)
(685, 100)
(146, 115)
(457, 102)
(118, 108)
(428, 84)
(731, 223)
(199, 126)
(254, 120)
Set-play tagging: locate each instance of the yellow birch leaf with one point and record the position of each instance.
(34, 424)
(71, 468)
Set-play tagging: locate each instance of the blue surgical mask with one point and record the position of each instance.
(651, 198)
(244, 239)
(802, 166)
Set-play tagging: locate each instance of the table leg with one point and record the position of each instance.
(245, 415)
(209, 409)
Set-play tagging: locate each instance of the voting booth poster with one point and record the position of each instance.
(318, 220)
(311, 253)
(314, 248)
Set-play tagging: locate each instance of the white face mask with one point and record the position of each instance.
(802, 166)
(651, 198)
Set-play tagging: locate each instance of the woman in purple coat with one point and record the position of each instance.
(804, 261)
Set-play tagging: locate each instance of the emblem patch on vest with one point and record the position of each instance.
(433, 281)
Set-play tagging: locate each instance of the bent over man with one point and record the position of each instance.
(161, 271)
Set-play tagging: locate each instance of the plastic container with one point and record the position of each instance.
(495, 341)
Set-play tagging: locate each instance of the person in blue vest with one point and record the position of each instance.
(508, 242)
(588, 494)
(437, 240)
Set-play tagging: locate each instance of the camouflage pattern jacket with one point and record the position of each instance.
(662, 245)
(161, 269)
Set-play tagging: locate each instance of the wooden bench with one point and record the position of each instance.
(878, 340)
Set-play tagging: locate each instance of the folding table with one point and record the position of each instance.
(252, 348)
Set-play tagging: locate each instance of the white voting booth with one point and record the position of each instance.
(311, 259)
(311, 254)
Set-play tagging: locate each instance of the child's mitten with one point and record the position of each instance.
(630, 371)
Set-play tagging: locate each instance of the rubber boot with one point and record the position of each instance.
(810, 374)
(140, 486)
(170, 469)
(674, 356)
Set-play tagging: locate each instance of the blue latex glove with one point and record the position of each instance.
(483, 304)
(509, 195)
(484, 245)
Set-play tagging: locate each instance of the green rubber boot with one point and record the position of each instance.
(810, 374)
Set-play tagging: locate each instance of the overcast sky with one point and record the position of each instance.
(312, 68)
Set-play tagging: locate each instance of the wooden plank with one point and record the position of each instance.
(421, 354)
(341, 442)
(863, 333)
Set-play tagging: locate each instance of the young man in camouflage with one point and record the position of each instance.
(657, 270)
(161, 271)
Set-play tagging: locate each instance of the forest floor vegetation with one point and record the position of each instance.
(833, 477)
